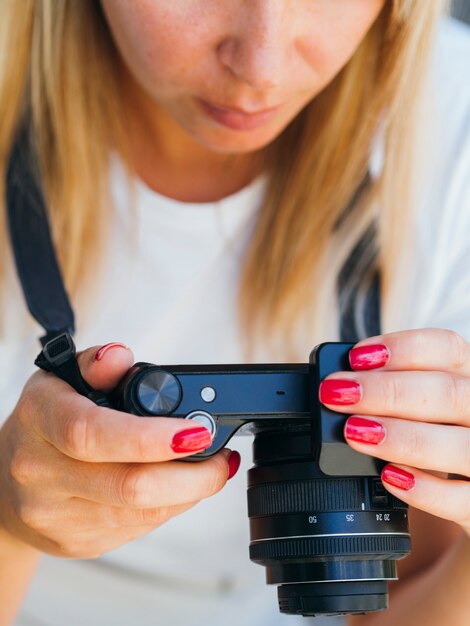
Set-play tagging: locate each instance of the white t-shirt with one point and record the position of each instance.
(170, 294)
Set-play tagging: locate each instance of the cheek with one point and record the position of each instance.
(336, 30)
(159, 41)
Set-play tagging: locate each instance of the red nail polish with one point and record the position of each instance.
(191, 440)
(102, 351)
(369, 357)
(336, 391)
(364, 430)
(233, 464)
(398, 477)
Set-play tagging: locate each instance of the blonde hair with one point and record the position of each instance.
(58, 68)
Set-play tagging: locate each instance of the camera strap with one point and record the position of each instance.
(47, 300)
(33, 250)
(38, 269)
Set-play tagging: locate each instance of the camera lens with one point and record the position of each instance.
(329, 544)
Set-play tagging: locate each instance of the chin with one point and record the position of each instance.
(238, 142)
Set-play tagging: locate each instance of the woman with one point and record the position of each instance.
(246, 128)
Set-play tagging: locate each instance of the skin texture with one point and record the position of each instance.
(420, 398)
(248, 55)
(66, 488)
(70, 490)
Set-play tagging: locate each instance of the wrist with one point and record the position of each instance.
(10, 544)
(18, 562)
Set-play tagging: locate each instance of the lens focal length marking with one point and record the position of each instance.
(329, 524)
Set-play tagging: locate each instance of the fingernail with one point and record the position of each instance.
(191, 440)
(369, 357)
(102, 351)
(364, 430)
(398, 477)
(233, 464)
(335, 391)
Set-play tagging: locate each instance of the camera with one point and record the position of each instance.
(321, 522)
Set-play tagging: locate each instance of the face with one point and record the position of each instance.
(232, 74)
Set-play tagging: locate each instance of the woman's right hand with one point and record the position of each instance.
(77, 480)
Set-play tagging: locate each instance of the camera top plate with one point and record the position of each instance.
(226, 397)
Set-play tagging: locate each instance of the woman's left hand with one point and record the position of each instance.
(412, 410)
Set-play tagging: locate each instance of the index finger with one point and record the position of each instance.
(84, 431)
(419, 349)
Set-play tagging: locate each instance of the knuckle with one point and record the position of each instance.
(457, 395)
(411, 445)
(26, 406)
(34, 398)
(23, 467)
(77, 437)
(134, 488)
(460, 349)
(415, 346)
(392, 390)
(34, 517)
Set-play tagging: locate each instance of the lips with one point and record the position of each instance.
(238, 119)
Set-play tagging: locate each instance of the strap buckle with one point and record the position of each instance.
(59, 350)
(59, 357)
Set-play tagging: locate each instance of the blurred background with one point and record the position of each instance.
(461, 9)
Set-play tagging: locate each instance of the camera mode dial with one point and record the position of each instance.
(159, 392)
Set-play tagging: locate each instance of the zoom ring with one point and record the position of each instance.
(342, 494)
(308, 547)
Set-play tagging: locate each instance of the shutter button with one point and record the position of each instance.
(203, 418)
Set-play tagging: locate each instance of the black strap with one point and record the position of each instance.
(33, 249)
(38, 269)
(358, 290)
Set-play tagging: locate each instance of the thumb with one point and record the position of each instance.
(103, 366)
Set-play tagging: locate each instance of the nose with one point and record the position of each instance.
(260, 46)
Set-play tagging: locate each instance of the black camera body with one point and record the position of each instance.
(321, 522)
(225, 397)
